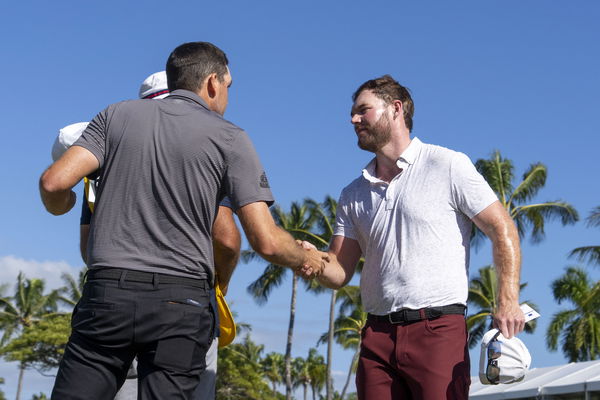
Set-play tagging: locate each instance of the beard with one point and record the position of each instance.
(376, 136)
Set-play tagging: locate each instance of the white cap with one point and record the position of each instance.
(66, 137)
(513, 362)
(155, 86)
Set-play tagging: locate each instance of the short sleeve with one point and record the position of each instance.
(93, 137)
(470, 191)
(343, 221)
(245, 178)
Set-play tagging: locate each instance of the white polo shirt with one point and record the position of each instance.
(414, 232)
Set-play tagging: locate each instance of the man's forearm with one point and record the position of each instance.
(59, 202)
(334, 275)
(226, 260)
(273, 243)
(283, 250)
(495, 222)
(507, 259)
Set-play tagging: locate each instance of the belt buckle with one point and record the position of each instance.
(402, 315)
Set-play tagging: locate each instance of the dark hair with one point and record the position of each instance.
(388, 90)
(190, 63)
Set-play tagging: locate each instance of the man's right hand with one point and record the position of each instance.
(314, 264)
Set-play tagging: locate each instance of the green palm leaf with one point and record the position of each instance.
(271, 278)
(577, 328)
(593, 220)
(533, 180)
(498, 172)
(587, 254)
(534, 216)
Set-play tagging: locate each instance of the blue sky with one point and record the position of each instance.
(520, 77)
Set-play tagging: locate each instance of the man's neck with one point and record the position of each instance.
(386, 168)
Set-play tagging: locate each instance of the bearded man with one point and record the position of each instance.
(409, 215)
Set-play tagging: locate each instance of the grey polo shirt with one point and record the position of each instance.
(165, 165)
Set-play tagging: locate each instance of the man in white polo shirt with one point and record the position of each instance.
(409, 214)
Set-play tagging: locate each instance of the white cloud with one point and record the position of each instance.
(50, 271)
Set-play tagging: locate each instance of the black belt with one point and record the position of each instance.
(407, 315)
(129, 275)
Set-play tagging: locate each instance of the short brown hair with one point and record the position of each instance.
(388, 90)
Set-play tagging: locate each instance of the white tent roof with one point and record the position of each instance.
(569, 378)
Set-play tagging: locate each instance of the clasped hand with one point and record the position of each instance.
(314, 263)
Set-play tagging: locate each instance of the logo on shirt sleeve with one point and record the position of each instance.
(264, 182)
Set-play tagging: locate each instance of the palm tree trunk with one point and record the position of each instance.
(288, 347)
(328, 378)
(313, 392)
(305, 390)
(20, 384)
(354, 358)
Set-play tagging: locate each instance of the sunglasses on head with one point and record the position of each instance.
(492, 371)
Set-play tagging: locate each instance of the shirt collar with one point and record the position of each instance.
(412, 151)
(408, 156)
(189, 95)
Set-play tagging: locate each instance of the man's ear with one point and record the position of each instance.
(211, 85)
(398, 109)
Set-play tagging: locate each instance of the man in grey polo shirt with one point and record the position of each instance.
(409, 215)
(153, 87)
(164, 166)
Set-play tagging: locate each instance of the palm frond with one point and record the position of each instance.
(593, 220)
(498, 172)
(271, 278)
(481, 318)
(477, 237)
(535, 216)
(587, 254)
(313, 286)
(249, 256)
(71, 292)
(557, 324)
(533, 180)
(349, 298)
(572, 286)
(475, 334)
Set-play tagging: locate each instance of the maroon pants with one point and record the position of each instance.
(426, 360)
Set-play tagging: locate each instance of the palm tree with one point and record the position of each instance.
(498, 172)
(301, 375)
(251, 351)
(296, 222)
(348, 335)
(27, 306)
(273, 367)
(71, 292)
(483, 294)
(579, 327)
(348, 327)
(589, 254)
(317, 371)
(324, 214)
(325, 218)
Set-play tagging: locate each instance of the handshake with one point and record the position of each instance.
(314, 262)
